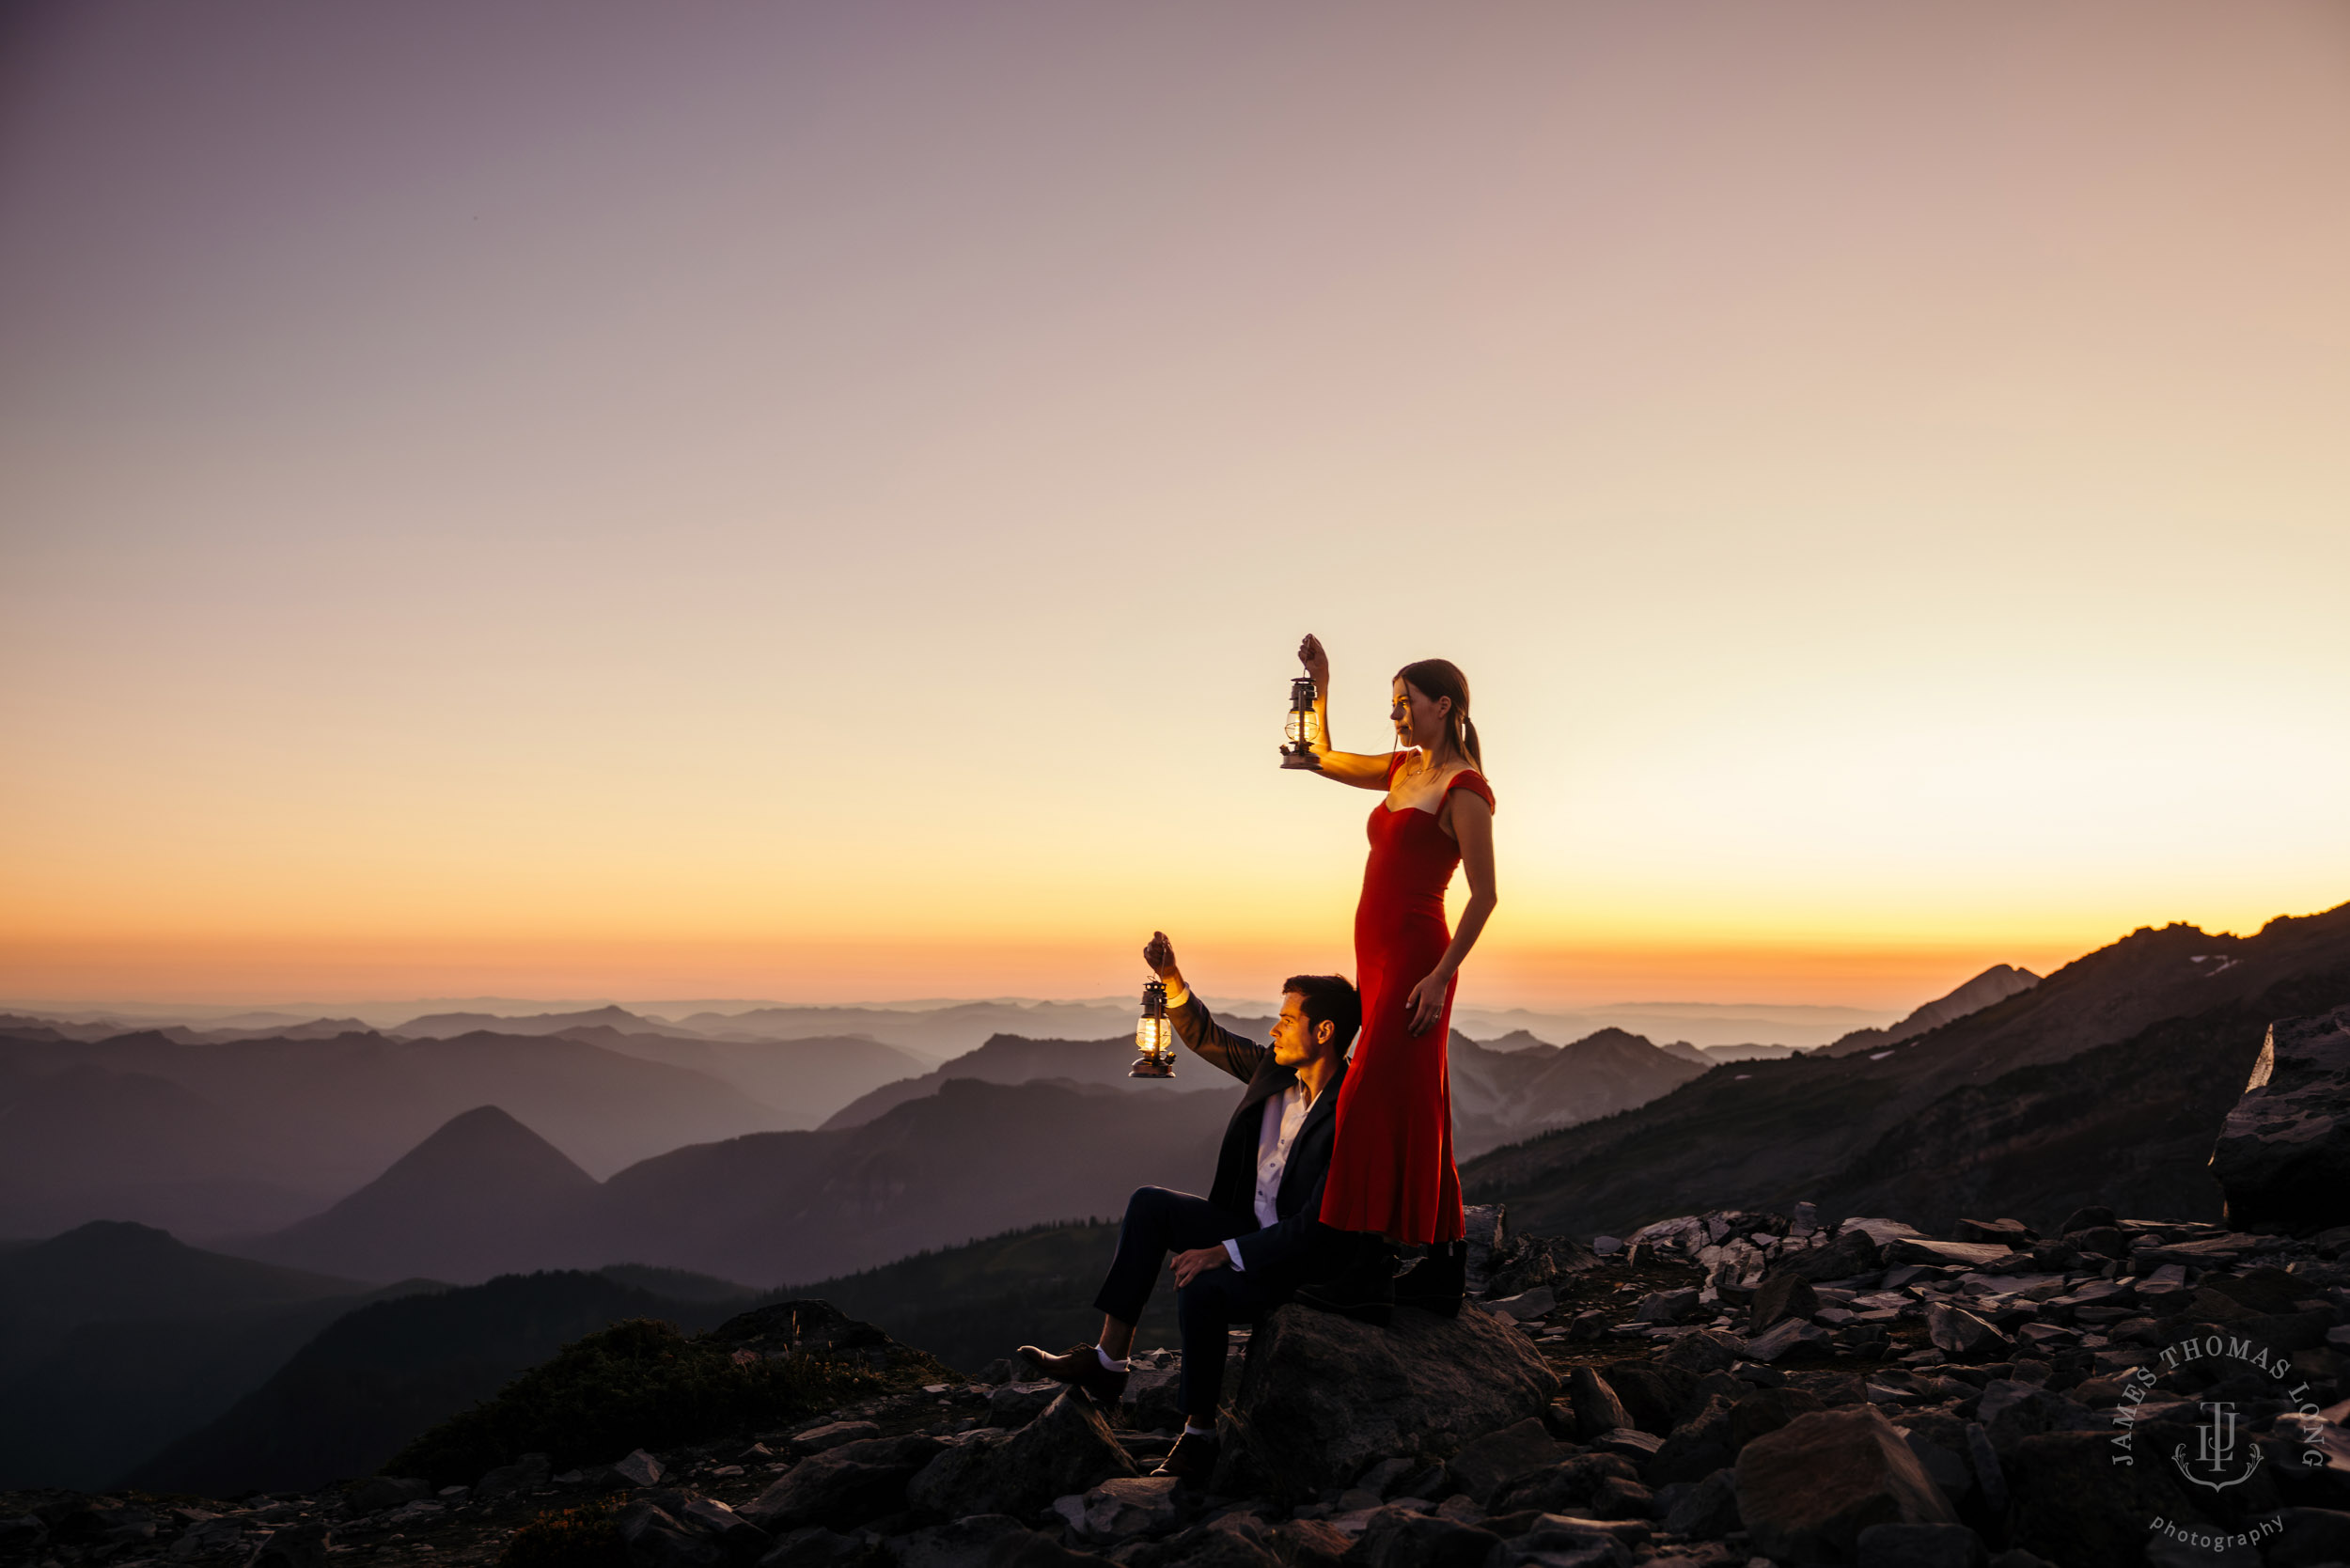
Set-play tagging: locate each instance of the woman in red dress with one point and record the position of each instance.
(1391, 1174)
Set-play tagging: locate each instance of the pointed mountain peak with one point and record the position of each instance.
(486, 1144)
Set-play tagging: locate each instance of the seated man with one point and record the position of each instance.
(1242, 1249)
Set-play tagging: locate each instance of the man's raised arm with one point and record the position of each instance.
(1209, 1040)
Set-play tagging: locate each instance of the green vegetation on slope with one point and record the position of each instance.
(639, 1384)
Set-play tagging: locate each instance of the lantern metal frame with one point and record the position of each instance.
(1304, 727)
(1154, 1035)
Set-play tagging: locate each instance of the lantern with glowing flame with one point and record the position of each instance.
(1154, 1035)
(1305, 726)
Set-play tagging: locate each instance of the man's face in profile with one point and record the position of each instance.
(1292, 1035)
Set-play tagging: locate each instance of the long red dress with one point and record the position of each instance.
(1391, 1167)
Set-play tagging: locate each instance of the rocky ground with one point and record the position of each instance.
(1726, 1388)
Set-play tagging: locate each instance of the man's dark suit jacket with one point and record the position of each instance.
(1277, 1256)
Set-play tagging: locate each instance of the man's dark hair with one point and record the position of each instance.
(1328, 999)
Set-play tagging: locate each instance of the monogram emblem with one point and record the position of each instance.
(2216, 1449)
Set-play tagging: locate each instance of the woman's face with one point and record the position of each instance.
(1418, 718)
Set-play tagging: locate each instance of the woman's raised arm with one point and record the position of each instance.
(1347, 767)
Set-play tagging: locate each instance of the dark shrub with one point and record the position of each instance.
(639, 1384)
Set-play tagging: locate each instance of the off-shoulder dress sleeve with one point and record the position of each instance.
(1473, 781)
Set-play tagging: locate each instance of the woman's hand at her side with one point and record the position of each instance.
(1425, 1005)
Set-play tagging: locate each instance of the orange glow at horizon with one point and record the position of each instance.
(818, 504)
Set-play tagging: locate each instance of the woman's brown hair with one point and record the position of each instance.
(1435, 678)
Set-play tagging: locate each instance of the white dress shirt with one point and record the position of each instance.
(1284, 1113)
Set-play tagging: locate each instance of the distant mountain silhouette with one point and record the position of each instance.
(486, 1195)
(351, 1397)
(1719, 1054)
(473, 1199)
(1508, 1089)
(110, 1271)
(447, 1025)
(86, 1136)
(932, 1033)
(1501, 1096)
(1995, 984)
(1011, 1058)
(116, 1338)
(2104, 1082)
(807, 1080)
(247, 1136)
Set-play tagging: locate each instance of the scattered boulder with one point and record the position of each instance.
(1667, 1305)
(1707, 1350)
(1595, 1405)
(1655, 1394)
(1791, 1340)
(654, 1539)
(1322, 1396)
(1709, 1509)
(1153, 1399)
(1570, 1487)
(2008, 1233)
(1963, 1335)
(1068, 1449)
(531, 1473)
(1244, 1541)
(1121, 1508)
(1696, 1448)
(1853, 1251)
(1484, 1463)
(1920, 1249)
(744, 1541)
(2101, 1241)
(817, 1439)
(1767, 1410)
(2283, 1153)
(1808, 1490)
(1525, 1306)
(1015, 1404)
(1783, 1294)
(2011, 1411)
(639, 1469)
(378, 1493)
(298, 1545)
(1398, 1538)
(846, 1486)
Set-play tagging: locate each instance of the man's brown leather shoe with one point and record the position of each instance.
(1081, 1366)
(1191, 1459)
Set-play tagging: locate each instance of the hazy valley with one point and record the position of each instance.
(421, 1210)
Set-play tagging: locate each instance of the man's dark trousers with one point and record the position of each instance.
(1159, 1222)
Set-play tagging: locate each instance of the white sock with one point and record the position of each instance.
(1193, 1429)
(1117, 1365)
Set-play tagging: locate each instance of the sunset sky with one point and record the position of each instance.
(819, 502)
